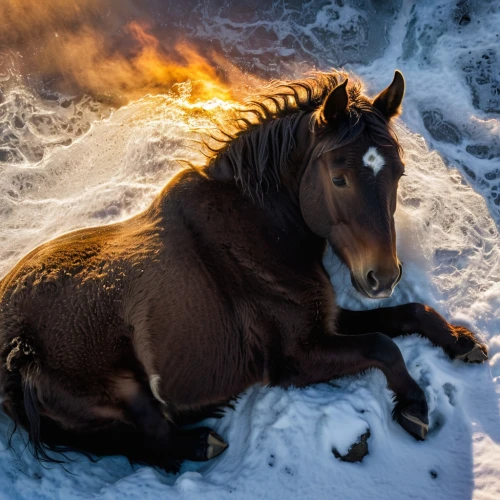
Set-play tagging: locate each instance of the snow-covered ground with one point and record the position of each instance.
(64, 167)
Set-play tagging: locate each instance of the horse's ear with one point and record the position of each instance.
(388, 102)
(335, 104)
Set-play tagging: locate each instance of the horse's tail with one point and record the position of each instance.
(19, 373)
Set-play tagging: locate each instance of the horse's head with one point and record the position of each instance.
(348, 191)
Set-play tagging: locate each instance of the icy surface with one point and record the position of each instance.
(68, 163)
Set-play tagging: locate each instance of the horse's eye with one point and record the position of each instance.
(339, 181)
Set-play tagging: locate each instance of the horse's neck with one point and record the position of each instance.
(280, 204)
(223, 169)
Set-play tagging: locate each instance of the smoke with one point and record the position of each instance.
(109, 48)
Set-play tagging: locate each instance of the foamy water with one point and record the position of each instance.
(65, 165)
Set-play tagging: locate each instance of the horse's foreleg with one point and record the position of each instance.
(457, 341)
(338, 355)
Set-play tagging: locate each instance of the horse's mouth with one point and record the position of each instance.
(360, 289)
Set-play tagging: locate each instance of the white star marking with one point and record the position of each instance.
(374, 160)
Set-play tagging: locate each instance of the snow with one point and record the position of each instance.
(280, 442)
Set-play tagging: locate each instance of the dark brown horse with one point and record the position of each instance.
(112, 338)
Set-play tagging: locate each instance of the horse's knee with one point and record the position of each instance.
(384, 350)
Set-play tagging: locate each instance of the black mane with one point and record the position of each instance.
(256, 145)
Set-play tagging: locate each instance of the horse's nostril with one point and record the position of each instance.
(372, 280)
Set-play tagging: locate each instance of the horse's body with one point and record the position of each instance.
(112, 337)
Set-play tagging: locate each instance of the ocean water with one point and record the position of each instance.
(70, 161)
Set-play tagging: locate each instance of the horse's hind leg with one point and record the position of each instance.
(163, 441)
(130, 423)
(457, 341)
(334, 356)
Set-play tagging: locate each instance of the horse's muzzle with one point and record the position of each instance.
(377, 285)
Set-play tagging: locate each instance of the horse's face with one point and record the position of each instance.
(348, 194)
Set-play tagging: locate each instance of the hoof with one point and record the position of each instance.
(476, 355)
(216, 445)
(416, 426)
(200, 444)
(411, 412)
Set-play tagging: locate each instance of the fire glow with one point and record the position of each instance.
(86, 47)
(148, 70)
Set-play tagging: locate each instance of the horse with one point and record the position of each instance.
(114, 338)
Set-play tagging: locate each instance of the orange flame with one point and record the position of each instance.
(158, 70)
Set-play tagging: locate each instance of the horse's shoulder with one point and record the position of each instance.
(193, 196)
(183, 186)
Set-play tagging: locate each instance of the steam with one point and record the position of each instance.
(108, 48)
